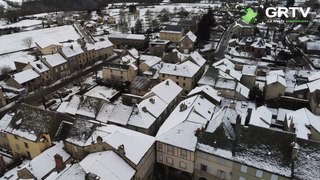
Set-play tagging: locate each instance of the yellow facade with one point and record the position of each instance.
(24, 147)
(171, 36)
(175, 157)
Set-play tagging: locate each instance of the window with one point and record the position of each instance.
(160, 158)
(169, 160)
(163, 75)
(242, 178)
(177, 83)
(259, 173)
(184, 78)
(170, 149)
(177, 77)
(184, 84)
(17, 147)
(274, 177)
(159, 146)
(221, 174)
(26, 145)
(221, 161)
(244, 169)
(15, 136)
(203, 167)
(183, 165)
(28, 155)
(183, 153)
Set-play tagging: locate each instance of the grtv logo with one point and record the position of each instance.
(272, 12)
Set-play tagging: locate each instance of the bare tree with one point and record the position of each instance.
(27, 42)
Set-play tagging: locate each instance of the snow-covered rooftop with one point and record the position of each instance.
(25, 76)
(179, 129)
(47, 36)
(276, 79)
(45, 163)
(186, 69)
(107, 165)
(207, 90)
(54, 60)
(261, 117)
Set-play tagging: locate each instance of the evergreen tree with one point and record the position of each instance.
(138, 27)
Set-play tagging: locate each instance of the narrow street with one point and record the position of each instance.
(37, 95)
(222, 46)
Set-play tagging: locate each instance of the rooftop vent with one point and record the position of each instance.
(152, 100)
(183, 107)
(144, 109)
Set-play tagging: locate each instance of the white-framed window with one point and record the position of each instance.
(159, 145)
(274, 177)
(244, 168)
(170, 149)
(221, 174)
(169, 160)
(183, 153)
(183, 165)
(259, 173)
(203, 167)
(160, 158)
(221, 161)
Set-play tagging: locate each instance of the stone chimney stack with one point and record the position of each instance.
(60, 165)
(121, 150)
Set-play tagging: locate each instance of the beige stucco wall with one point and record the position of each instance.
(35, 148)
(274, 91)
(214, 164)
(119, 74)
(251, 173)
(171, 36)
(163, 156)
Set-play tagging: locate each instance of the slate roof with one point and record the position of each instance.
(31, 122)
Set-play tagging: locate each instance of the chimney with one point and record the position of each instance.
(183, 107)
(60, 165)
(92, 176)
(295, 150)
(233, 104)
(121, 150)
(71, 47)
(248, 117)
(175, 68)
(167, 83)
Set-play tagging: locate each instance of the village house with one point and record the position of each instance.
(41, 69)
(173, 57)
(154, 107)
(158, 47)
(28, 79)
(186, 74)
(249, 74)
(304, 124)
(172, 33)
(275, 86)
(119, 73)
(4, 123)
(32, 130)
(242, 29)
(176, 138)
(45, 48)
(187, 43)
(49, 161)
(85, 139)
(57, 64)
(75, 56)
(141, 85)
